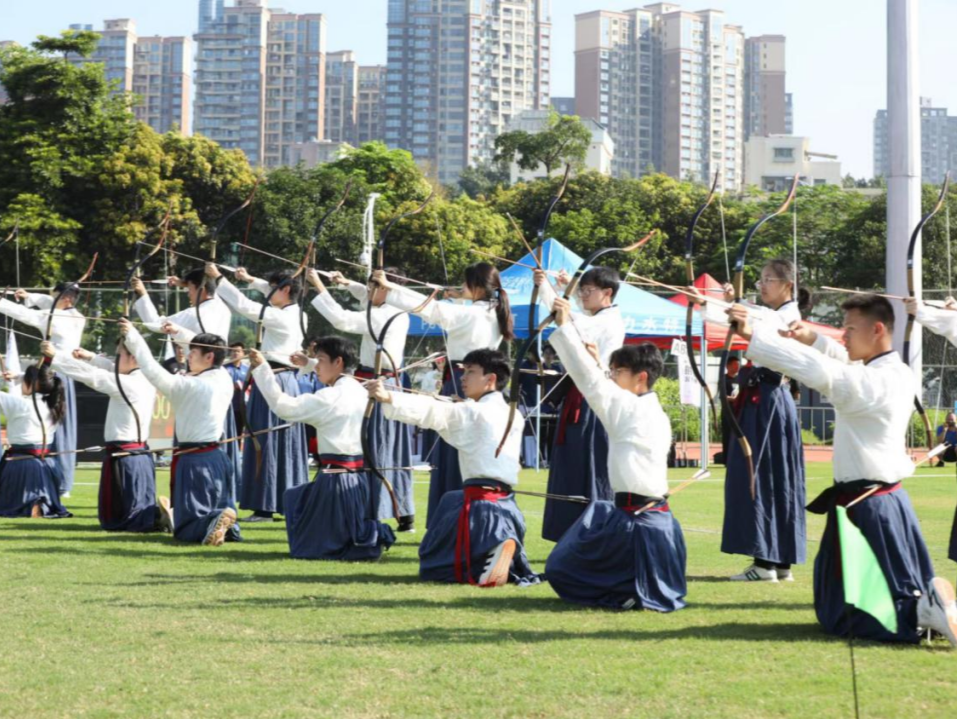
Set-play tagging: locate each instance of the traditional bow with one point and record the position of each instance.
(738, 282)
(909, 329)
(214, 238)
(48, 334)
(315, 241)
(689, 319)
(368, 452)
(134, 272)
(257, 445)
(515, 384)
(13, 233)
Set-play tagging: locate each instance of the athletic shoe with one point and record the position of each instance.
(937, 610)
(754, 573)
(256, 518)
(217, 531)
(65, 495)
(498, 564)
(165, 522)
(406, 524)
(36, 511)
(785, 575)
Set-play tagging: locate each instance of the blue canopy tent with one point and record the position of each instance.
(645, 314)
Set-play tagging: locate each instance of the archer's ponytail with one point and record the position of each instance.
(50, 387)
(482, 278)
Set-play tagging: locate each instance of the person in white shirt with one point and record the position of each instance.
(391, 441)
(201, 474)
(336, 516)
(477, 533)
(29, 479)
(278, 461)
(943, 322)
(429, 379)
(579, 458)
(127, 496)
(66, 334)
(872, 391)
(630, 553)
(482, 323)
(771, 526)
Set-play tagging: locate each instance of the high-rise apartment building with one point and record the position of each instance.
(766, 104)
(370, 111)
(114, 51)
(458, 71)
(162, 82)
(210, 12)
(938, 143)
(342, 96)
(669, 86)
(260, 80)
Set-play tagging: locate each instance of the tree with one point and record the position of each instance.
(480, 181)
(563, 139)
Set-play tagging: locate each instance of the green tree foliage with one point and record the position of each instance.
(564, 139)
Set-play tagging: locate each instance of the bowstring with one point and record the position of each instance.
(724, 241)
(950, 284)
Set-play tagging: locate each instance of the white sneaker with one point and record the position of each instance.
(498, 564)
(165, 515)
(937, 610)
(785, 575)
(65, 495)
(754, 573)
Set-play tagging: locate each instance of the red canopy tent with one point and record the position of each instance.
(715, 333)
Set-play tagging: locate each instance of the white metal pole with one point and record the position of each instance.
(904, 178)
(705, 424)
(538, 410)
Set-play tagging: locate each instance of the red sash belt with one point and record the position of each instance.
(110, 506)
(471, 493)
(172, 465)
(845, 498)
(341, 461)
(29, 452)
(634, 508)
(367, 373)
(571, 412)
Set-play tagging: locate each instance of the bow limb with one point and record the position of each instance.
(738, 283)
(911, 291)
(689, 318)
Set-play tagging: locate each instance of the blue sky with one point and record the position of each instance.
(836, 48)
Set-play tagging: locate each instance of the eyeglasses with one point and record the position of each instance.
(613, 373)
(584, 292)
(770, 281)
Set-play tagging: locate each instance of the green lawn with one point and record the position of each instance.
(99, 625)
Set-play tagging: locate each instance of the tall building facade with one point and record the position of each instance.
(210, 12)
(342, 96)
(767, 108)
(114, 50)
(458, 71)
(162, 82)
(938, 142)
(616, 83)
(370, 107)
(260, 81)
(669, 86)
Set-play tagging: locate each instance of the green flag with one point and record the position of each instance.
(865, 586)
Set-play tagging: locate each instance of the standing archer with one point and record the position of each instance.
(279, 461)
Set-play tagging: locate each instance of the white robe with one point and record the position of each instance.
(354, 322)
(282, 335)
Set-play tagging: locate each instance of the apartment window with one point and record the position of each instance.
(783, 154)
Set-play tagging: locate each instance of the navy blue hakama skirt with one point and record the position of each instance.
(127, 500)
(772, 527)
(613, 559)
(889, 525)
(335, 517)
(578, 465)
(446, 473)
(489, 524)
(25, 482)
(232, 450)
(285, 453)
(64, 440)
(200, 483)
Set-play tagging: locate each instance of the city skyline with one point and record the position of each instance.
(831, 48)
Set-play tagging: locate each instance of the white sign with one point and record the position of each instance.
(687, 382)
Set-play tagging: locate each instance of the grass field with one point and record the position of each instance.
(99, 625)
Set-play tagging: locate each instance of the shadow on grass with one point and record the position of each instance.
(177, 550)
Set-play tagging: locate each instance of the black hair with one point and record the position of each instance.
(338, 347)
(45, 381)
(234, 345)
(393, 274)
(644, 357)
(491, 362)
(483, 276)
(734, 359)
(66, 290)
(875, 308)
(199, 278)
(784, 270)
(604, 278)
(208, 343)
(284, 278)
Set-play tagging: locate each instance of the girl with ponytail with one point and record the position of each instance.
(29, 479)
(480, 323)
